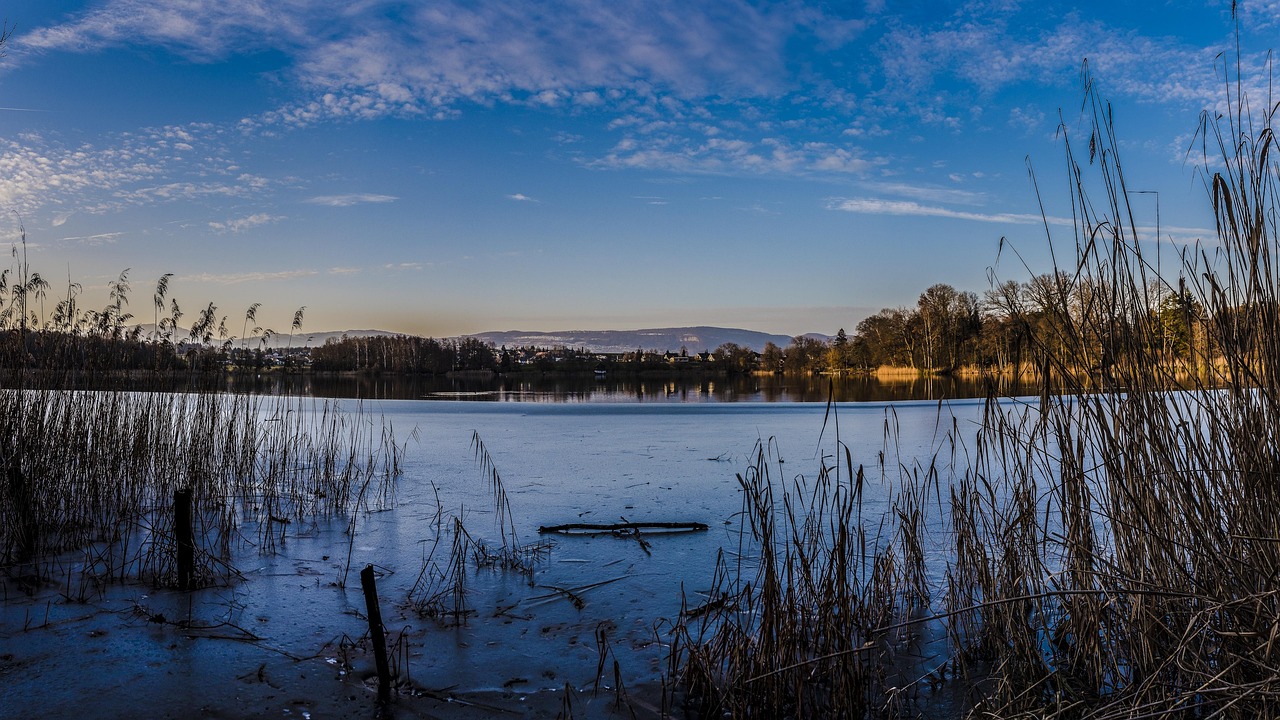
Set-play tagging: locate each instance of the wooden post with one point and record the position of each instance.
(375, 630)
(20, 496)
(185, 535)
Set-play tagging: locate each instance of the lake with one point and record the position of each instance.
(578, 388)
(561, 461)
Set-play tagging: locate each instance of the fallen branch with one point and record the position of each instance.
(720, 603)
(576, 601)
(624, 527)
(574, 594)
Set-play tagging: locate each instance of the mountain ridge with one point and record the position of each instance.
(666, 339)
(695, 339)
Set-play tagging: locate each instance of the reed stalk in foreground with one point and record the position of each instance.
(1114, 547)
(440, 592)
(94, 473)
(800, 623)
(1158, 545)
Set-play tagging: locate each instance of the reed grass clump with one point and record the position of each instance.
(803, 619)
(1147, 543)
(94, 473)
(440, 590)
(1112, 547)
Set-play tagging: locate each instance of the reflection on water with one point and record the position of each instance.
(578, 389)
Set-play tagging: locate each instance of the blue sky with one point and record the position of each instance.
(449, 167)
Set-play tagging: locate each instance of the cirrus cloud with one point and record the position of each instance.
(239, 225)
(349, 199)
(878, 206)
(362, 60)
(238, 278)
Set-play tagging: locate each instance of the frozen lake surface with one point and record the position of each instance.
(526, 639)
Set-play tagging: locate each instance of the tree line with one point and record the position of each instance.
(403, 354)
(1011, 326)
(1006, 329)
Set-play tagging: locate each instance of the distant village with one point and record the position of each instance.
(947, 331)
(409, 354)
(524, 357)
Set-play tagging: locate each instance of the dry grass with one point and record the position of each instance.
(440, 590)
(1122, 538)
(803, 621)
(93, 474)
(1113, 548)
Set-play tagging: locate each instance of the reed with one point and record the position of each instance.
(1148, 578)
(93, 474)
(510, 553)
(801, 623)
(1112, 548)
(440, 590)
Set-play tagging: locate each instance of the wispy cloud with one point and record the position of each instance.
(186, 190)
(658, 65)
(131, 169)
(559, 54)
(720, 155)
(238, 278)
(651, 200)
(938, 72)
(404, 266)
(712, 88)
(877, 206)
(932, 193)
(1027, 119)
(98, 239)
(239, 225)
(34, 172)
(350, 199)
(1259, 14)
(201, 30)
(343, 270)
(357, 60)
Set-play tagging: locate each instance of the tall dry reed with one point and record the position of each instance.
(802, 619)
(1113, 545)
(1149, 552)
(94, 473)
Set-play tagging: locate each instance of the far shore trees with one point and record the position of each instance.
(1009, 329)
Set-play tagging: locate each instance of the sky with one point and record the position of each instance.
(441, 168)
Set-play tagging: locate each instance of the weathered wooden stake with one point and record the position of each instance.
(20, 495)
(185, 534)
(375, 630)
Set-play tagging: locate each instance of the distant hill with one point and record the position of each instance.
(279, 340)
(695, 339)
(316, 339)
